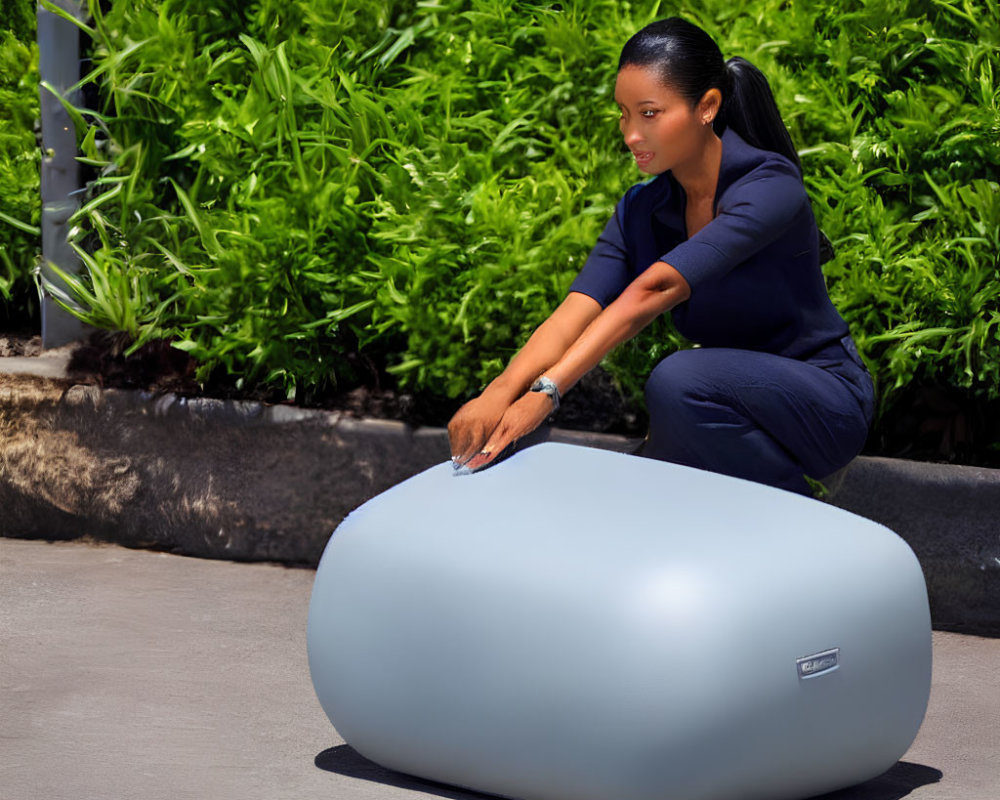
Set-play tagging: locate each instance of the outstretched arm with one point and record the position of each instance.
(474, 422)
(656, 290)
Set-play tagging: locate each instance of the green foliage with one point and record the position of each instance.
(904, 182)
(226, 208)
(279, 186)
(483, 216)
(19, 19)
(20, 206)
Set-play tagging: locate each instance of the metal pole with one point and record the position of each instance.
(59, 64)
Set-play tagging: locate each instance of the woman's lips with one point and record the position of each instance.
(641, 159)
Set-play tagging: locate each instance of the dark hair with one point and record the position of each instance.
(689, 61)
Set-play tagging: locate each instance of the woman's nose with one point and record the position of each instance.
(630, 133)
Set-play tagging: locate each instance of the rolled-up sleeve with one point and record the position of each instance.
(752, 213)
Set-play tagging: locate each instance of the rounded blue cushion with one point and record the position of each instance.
(576, 624)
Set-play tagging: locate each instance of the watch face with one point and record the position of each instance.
(547, 386)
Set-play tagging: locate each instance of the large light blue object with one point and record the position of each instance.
(575, 624)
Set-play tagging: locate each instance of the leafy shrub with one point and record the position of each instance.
(225, 210)
(20, 206)
(906, 177)
(288, 189)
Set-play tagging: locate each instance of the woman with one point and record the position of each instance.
(724, 238)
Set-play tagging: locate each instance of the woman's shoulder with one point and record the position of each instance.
(750, 175)
(742, 163)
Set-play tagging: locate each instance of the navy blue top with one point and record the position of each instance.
(754, 271)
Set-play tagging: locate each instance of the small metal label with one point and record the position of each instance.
(818, 663)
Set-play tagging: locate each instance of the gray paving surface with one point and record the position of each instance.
(131, 674)
(197, 476)
(49, 364)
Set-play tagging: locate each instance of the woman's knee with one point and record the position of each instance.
(673, 383)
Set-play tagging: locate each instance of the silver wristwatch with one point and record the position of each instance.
(547, 386)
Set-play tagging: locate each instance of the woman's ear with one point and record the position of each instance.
(709, 105)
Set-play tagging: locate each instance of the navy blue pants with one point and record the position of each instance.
(760, 416)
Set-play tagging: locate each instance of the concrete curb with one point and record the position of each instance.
(244, 481)
(950, 516)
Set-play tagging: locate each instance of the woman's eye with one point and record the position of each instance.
(648, 113)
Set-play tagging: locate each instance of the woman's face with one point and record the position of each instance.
(660, 127)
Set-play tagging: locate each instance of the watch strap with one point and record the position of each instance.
(547, 386)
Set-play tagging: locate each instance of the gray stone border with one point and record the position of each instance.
(246, 481)
(950, 516)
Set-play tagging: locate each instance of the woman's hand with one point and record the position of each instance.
(472, 425)
(475, 422)
(520, 419)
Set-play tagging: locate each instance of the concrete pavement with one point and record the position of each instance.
(52, 363)
(249, 481)
(132, 674)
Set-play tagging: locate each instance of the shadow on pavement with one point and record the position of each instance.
(345, 760)
(895, 784)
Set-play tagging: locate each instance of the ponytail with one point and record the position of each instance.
(751, 111)
(688, 59)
